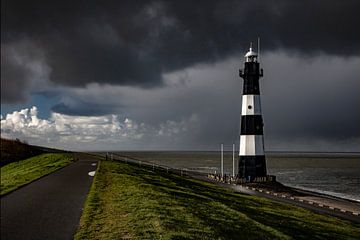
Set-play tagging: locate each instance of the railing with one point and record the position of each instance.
(185, 171)
(153, 166)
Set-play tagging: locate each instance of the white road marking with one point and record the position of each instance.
(93, 164)
(91, 174)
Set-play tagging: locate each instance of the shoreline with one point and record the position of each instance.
(317, 202)
(310, 197)
(323, 193)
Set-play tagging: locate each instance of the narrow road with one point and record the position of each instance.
(49, 208)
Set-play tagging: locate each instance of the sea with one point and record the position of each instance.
(335, 174)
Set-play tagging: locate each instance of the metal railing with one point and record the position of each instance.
(153, 166)
(225, 178)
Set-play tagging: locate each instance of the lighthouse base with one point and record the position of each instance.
(252, 167)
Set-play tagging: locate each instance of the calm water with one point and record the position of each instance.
(335, 174)
(340, 182)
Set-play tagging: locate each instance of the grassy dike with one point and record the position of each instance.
(19, 173)
(129, 202)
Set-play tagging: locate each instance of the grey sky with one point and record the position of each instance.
(175, 63)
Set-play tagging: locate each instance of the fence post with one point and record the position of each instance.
(222, 160)
(233, 160)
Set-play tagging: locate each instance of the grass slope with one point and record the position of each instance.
(14, 150)
(16, 174)
(129, 202)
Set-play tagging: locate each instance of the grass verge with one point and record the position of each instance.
(129, 202)
(16, 174)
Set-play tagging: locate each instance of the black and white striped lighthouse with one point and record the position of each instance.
(252, 162)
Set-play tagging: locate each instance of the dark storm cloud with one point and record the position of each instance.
(312, 101)
(21, 63)
(63, 108)
(135, 42)
(13, 89)
(84, 108)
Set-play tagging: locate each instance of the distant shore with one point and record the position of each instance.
(325, 194)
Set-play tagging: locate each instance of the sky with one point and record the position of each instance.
(163, 75)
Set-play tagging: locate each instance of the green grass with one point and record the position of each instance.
(128, 202)
(16, 174)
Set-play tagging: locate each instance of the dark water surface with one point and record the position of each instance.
(336, 174)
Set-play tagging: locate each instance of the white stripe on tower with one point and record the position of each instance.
(251, 145)
(251, 105)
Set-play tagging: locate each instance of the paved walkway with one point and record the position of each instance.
(49, 208)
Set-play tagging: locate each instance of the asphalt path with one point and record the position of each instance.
(49, 208)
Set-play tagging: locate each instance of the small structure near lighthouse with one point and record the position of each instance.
(252, 164)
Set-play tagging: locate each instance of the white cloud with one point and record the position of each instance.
(83, 132)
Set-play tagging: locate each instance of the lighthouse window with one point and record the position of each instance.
(249, 107)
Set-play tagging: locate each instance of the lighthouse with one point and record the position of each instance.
(252, 162)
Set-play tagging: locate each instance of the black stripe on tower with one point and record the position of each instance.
(251, 166)
(251, 75)
(251, 86)
(252, 69)
(251, 125)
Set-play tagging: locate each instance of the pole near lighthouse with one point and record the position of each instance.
(252, 162)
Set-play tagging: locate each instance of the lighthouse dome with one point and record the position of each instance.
(251, 56)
